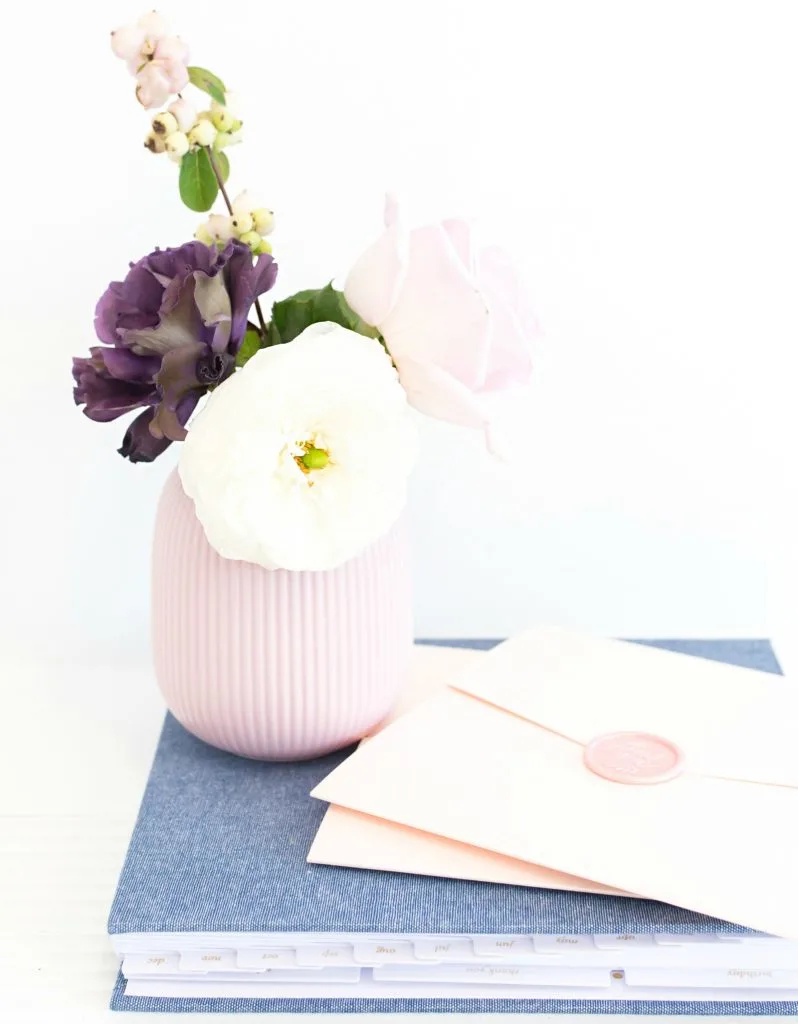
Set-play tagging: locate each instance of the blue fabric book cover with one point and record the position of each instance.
(220, 845)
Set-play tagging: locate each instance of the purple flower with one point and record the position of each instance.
(170, 330)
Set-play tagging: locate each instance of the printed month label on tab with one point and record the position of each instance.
(150, 963)
(502, 945)
(399, 952)
(264, 959)
(207, 960)
(563, 943)
(323, 955)
(444, 950)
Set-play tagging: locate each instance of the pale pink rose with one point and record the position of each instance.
(452, 314)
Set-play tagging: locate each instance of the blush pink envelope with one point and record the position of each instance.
(349, 838)
(498, 762)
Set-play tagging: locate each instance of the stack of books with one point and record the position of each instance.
(219, 909)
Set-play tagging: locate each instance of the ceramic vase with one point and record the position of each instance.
(272, 664)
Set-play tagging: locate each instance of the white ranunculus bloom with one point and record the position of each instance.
(300, 460)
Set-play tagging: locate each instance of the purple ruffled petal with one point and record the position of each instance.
(166, 341)
(245, 283)
(141, 290)
(105, 318)
(126, 365)
(104, 397)
(183, 370)
(140, 445)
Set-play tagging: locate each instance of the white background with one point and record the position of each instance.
(641, 161)
(640, 158)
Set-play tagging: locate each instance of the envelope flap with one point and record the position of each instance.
(729, 722)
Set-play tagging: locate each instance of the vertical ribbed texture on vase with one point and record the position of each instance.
(272, 664)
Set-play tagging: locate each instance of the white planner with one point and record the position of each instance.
(664, 967)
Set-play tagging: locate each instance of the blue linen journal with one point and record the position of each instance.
(216, 879)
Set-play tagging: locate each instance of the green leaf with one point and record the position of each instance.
(249, 346)
(198, 184)
(222, 164)
(313, 306)
(208, 82)
(354, 322)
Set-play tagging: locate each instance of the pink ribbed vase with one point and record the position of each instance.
(271, 664)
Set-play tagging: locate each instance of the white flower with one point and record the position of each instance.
(300, 460)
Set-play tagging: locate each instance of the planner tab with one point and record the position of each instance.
(387, 952)
(265, 959)
(324, 955)
(445, 950)
(503, 945)
(150, 963)
(623, 941)
(563, 943)
(208, 960)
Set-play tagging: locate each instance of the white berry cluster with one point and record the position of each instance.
(180, 128)
(248, 222)
(157, 59)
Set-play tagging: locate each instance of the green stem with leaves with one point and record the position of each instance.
(229, 206)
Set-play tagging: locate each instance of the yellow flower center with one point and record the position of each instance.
(313, 458)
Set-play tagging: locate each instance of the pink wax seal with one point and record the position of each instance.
(635, 758)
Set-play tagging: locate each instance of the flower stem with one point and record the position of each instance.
(229, 206)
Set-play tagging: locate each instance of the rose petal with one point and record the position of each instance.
(513, 326)
(436, 393)
(392, 210)
(374, 282)
(461, 236)
(440, 315)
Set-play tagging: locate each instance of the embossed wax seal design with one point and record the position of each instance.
(635, 758)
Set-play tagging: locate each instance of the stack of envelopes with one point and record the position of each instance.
(499, 760)
(563, 824)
